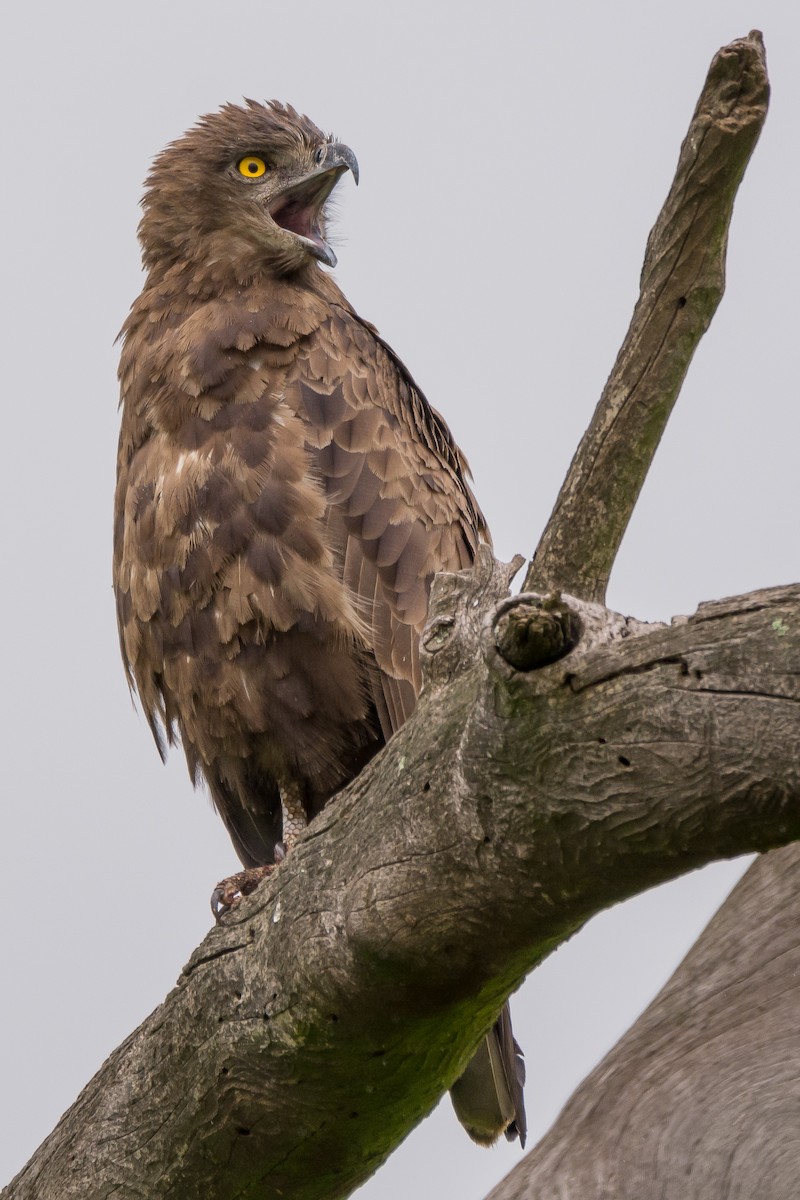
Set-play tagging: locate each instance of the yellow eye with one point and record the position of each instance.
(251, 166)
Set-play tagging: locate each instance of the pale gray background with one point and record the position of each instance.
(513, 159)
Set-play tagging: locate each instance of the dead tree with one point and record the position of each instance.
(561, 758)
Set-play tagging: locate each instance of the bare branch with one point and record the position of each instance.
(682, 283)
(309, 1034)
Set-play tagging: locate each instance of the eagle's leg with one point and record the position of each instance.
(229, 892)
(293, 819)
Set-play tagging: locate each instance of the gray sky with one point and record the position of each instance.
(513, 159)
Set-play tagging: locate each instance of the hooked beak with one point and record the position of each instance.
(298, 208)
(339, 155)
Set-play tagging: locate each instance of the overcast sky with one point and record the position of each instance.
(513, 158)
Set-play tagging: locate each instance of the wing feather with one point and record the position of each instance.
(401, 507)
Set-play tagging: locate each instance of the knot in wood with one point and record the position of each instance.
(531, 633)
(437, 633)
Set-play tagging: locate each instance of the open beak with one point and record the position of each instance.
(299, 207)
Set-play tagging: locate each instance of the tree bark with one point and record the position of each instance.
(561, 758)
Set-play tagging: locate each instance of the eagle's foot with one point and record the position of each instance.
(229, 892)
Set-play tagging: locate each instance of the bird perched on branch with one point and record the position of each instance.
(285, 494)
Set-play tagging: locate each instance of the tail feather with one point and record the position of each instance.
(249, 803)
(488, 1098)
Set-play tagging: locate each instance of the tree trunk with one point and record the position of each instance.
(701, 1098)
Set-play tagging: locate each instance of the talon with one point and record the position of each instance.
(217, 905)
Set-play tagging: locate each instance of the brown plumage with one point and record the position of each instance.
(285, 492)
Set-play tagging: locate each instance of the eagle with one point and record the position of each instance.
(285, 494)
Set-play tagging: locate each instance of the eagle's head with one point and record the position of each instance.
(243, 191)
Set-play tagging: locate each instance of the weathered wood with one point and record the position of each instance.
(700, 1099)
(682, 283)
(327, 1016)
